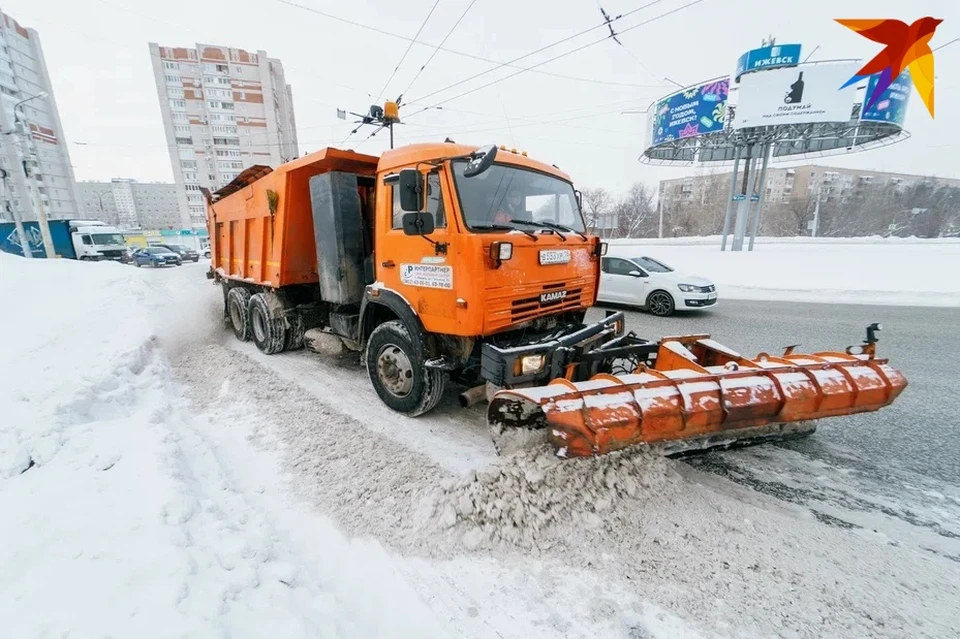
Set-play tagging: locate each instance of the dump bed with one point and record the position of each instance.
(261, 224)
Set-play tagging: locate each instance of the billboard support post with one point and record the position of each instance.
(743, 206)
(733, 190)
(762, 190)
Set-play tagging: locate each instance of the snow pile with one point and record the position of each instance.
(856, 271)
(527, 494)
(122, 514)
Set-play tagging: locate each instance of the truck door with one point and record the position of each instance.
(411, 265)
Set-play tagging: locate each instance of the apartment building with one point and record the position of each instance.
(132, 205)
(28, 104)
(223, 110)
(786, 183)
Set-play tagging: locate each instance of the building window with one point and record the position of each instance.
(175, 93)
(185, 141)
(188, 164)
(178, 104)
(170, 65)
(173, 79)
(223, 68)
(213, 104)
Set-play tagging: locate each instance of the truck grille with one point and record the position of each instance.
(553, 298)
(508, 305)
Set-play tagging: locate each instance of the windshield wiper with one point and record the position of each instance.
(500, 227)
(540, 225)
(560, 227)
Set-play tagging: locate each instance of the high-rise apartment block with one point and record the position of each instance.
(132, 205)
(26, 97)
(223, 110)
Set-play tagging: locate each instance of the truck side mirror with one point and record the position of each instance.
(579, 197)
(418, 223)
(410, 184)
(480, 161)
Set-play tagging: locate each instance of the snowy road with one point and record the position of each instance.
(162, 479)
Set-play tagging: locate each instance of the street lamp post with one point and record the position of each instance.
(19, 131)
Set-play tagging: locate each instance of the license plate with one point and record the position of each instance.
(554, 256)
(711, 298)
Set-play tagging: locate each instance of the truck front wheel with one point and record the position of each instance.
(269, 333)
(238, 300)
(398, 374)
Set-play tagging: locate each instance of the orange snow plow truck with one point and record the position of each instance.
(447, 263)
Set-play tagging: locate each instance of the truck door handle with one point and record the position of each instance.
(387, 264)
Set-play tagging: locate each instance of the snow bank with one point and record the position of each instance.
(121, 517)
(894, 271)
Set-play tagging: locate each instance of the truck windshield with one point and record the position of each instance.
(107, 238)
(509, 196)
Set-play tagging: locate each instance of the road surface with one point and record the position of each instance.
(893, 472)
(919, 433)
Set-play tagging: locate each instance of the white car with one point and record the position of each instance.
(654, 286)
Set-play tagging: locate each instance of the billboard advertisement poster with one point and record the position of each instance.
(891, 106)
(691, 112)
(797, 95)
(780, 55)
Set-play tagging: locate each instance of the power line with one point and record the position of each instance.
(946, 44)
(462, 54)
(563, 55)
(439, 47)
(543, 48)
(409, 46)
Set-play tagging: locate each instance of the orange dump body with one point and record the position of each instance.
(273, 244)
(699, 390)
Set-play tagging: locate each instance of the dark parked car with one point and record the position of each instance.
(156, 256)
(186, 253)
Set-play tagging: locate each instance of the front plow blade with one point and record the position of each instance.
(700, 395)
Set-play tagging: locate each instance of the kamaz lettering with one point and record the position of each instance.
(552, 296)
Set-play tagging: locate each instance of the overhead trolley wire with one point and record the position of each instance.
(462, 54)
(541, 49)
(439, 48)
(409, 46)
(557, 57)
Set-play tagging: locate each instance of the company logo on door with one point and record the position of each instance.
(552, 296)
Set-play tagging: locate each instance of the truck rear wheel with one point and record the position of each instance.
(398, 373)
(297, 327)
(268, 333)
(238, 300)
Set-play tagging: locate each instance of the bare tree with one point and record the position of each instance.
(597, 202)
(635, 212)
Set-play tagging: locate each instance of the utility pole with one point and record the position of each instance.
(21, 144)
(16, 166)
(816, 214)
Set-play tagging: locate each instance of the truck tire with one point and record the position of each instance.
(296, 327)
(238, 301)
(398, 373)
(268, 333)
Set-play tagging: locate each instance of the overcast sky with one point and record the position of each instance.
(97, 55)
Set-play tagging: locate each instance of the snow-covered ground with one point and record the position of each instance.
(870, 270)
(159, 479)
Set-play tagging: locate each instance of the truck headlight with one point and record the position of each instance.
(500, 251)
(530, 364)
(688, 288)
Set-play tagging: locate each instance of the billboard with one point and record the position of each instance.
(798, 95)
(691, 112)
(891, 106)
(780, 55)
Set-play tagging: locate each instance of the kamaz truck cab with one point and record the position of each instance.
(437, 261)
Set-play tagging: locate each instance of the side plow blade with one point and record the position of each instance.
(698, 395)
